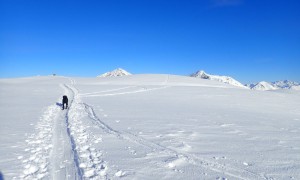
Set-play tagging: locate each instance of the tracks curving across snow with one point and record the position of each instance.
(174, 156)
(65, 147)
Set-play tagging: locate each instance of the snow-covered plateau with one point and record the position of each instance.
(146, 127)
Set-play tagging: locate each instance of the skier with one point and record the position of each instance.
(64, 101)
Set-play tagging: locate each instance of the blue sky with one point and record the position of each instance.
(250, 40)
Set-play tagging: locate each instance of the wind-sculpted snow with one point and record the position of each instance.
(152, 127)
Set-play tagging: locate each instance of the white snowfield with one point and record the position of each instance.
(146, 127)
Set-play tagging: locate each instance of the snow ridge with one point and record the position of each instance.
(115, 73)
(224, 79)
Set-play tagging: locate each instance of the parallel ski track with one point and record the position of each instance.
(80, 159)
(39, 162)
(73, 144)
(190, 158)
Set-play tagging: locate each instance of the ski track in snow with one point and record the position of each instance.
(51, 149)
(64, 157)
(175, 156)
(59, 148)
(63, 146)
(142, 89)
(110, 90)
(89, 158)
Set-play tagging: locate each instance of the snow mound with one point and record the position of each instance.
(115, 73)
(224, 79)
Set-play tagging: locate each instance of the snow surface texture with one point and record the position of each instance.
(265, 86)
(224, 79)
(146, 127)
(115, 73)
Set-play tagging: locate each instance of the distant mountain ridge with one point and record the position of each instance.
(263, 85)
(266, 86)
(224, 79)
(286, 84)
(115, 73)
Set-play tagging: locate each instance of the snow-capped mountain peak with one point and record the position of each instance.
(200, 74)
(115, 73)
(264, 86)
(224, 79)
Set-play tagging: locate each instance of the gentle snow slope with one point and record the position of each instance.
(147, 127)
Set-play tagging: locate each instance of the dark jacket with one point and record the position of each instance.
(65, 99)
